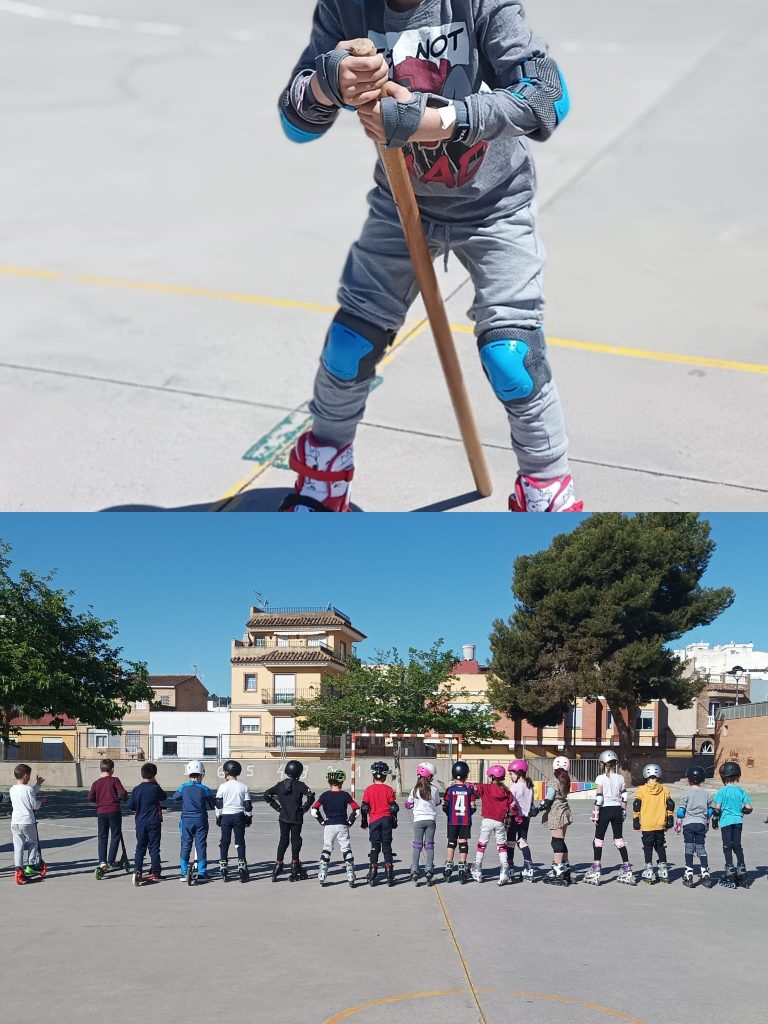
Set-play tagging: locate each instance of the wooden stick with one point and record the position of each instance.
(410, 218)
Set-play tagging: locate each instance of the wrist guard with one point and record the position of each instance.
(327, 71)
(351, 819)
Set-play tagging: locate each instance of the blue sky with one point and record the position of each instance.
(180, 584)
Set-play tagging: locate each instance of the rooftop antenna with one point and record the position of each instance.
(261, 600)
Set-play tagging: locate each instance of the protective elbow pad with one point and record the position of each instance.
(670, 804)
(515, 362)
(353, 347)
(746, 810)
(219, 802)
(541, 85)
(248, 806)
(680, 812)
(636, 805)
(599, 800)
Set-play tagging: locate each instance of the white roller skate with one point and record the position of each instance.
(477, 872)
(242, 871)
(324, 475)
(554, 495)
(504, 878)
(528, 873)
(688, 880)
(649, 875)
(706, 878)
(592, 875)
(351, 874)
(559, 874)
(625, 875)
(322, 872)
(663, 871)
(448, 870)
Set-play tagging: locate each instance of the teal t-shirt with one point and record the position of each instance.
(731, 801)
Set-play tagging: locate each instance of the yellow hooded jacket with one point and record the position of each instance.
(654, 813)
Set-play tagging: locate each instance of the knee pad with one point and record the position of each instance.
(429, 846)
(463, 846)
(349, 857)
(597, 842)
(452, 844)
(416, 845)
(515, 362)
(353, 347)
(501, 847)
(690, 848)
(326, 856)
(481, 847)
(558, 845)
(619, 844)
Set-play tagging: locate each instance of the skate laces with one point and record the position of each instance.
(556, 495)
(326, 459)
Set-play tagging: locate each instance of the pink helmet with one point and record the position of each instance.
(519, 766)
(496, 771)
(425, 770)
(561, 762)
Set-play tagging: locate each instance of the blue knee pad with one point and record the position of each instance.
(353, 347)
(515, 362)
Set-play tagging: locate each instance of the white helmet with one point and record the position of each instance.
(194, 768)
(425, 770)
(652, 771)
(561, 762)
(608, 756)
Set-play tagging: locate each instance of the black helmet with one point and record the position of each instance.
(380, 769)
(294, 769)
(696, 774)
(231, 767)
(460, 770)
(730, 770)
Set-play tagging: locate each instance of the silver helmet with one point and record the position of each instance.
(608, 757)
(652, 771)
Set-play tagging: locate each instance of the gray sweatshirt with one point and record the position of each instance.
(461, 49)
(695, 801)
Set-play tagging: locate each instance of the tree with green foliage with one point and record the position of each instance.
(57, 661)
(594, 613)
(397, 696)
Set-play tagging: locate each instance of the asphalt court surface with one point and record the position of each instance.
(169, 263)
(304, 955)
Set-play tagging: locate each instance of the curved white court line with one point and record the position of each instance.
(95, 21)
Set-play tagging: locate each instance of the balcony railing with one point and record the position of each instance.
(299, 741)
(710, 721)
(304, 645)
(289, 697)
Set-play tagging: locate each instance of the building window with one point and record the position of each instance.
(165, 700)
(53, 750)
(250, 684)
(250, 725)
(170, 746)
(707, 747)
(132, 741)
(644, 722)
(282, 641)
(285, 688)
(210, 746)
(314, 641)
(573, 718)
(343, 650)
(608, 720)
(141, 705)
(260, 641)
(102, 738)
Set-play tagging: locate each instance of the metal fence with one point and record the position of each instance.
(300, 741)
(744, 711)
(35, 750)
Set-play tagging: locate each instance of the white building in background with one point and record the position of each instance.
(726, 659)
(182, 735)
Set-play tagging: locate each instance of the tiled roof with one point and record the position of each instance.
(46, 720)
(266, 620)
(170, 681)
(293, 655)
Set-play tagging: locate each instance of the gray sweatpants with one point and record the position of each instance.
(25, 840)
(505, 262)
(423, 838)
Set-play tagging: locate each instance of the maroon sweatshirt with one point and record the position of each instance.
(497, 801)
(106, 793)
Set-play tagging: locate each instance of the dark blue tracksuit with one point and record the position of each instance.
(145, 802)
(196, 801)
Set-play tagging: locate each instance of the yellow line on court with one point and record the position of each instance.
(392, 999)
(459, 950)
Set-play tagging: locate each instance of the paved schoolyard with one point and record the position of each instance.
(75, 948)
(168, 263)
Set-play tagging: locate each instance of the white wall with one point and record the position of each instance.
(191, 728)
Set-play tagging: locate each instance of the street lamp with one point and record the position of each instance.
(738, 674)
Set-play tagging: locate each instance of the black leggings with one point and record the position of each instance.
(613, 816)
(654, 841)
(290, 832)
(732, 844)
(517, 835)
(232, 823)
(381, 840)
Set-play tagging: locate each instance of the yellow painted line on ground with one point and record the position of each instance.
(623, 351)
(462, 958)
(392, 999)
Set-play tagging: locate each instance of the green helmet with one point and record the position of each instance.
(336, 776)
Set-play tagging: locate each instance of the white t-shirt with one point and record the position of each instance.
(523, 795)
(612, 785)
(424, 810)
(234, 794)
(25, 801)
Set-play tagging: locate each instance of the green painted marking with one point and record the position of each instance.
(270, 450)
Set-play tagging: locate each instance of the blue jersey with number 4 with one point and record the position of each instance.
(459, 798)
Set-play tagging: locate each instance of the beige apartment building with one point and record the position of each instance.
(284, 655)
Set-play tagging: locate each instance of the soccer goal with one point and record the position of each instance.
(452, 741)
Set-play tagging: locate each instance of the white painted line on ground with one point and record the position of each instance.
(96, 21)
